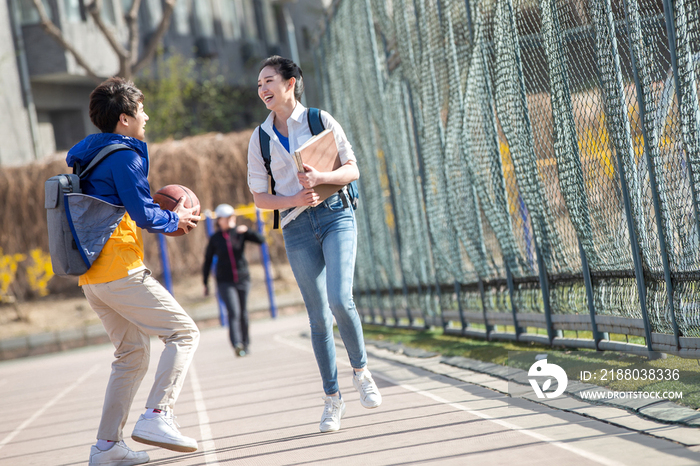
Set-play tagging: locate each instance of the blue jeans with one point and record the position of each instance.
(321, 245)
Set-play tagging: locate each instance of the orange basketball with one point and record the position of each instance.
(168, 196)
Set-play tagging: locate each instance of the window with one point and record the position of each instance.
(126, 6)
(270, 21)
(153, 14)
(107, 13)
(71, 11)
(307, 37)
(28, 13)
(181, 16)
(230, 20)
(68, 127)
(247, 18)
(204, 18)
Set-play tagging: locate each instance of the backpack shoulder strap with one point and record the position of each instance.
(265, 148)
(265, 151)
(313, 117)
(103, 154)
(267, 158)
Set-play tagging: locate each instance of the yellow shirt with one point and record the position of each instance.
(122, 252)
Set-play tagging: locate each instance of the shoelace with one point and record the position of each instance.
(368, 385)
(171, 419)
(330, 409)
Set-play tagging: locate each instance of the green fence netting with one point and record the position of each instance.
(524, 163)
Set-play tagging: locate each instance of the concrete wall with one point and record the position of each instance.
(15, 139)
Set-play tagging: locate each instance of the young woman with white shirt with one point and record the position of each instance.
(321, 242)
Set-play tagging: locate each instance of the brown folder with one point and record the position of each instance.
(320, 152)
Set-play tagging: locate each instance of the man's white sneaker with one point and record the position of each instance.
(332, 412)
(118, 455)
(161, 431)
(369, 393)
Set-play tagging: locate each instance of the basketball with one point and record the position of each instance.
(168, 196)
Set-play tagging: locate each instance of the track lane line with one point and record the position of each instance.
(543, 438)
(51, 402)
(208, 445)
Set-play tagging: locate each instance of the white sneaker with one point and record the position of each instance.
(161, 431)
(332, 412)
(118, 455)
(369, 393)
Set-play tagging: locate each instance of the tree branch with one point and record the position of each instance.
(95, 7)
(54, 32)
(152, 45)
(133, 25)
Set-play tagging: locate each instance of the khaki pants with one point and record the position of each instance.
(132, 309)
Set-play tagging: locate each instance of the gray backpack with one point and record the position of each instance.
(79, 225)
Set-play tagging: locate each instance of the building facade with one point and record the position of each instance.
(45, 92)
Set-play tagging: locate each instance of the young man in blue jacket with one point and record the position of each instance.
(130, 302)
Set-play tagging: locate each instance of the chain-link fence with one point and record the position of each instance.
(529, 168)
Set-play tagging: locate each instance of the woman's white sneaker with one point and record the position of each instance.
(332, 412)
(118, 455)
(161, 431)
(369, 393)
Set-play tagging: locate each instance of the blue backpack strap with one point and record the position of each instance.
(103, 154)
(265, 150)
(313, 117)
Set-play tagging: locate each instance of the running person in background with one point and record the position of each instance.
(321, 242)
(232, 275)
(132, 305)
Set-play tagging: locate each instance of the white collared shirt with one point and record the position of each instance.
(282, 164)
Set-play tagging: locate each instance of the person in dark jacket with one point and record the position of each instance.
(232, 275)
(132, 305)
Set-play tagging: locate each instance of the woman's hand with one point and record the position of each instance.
(307, 197)
(310, 177)
(240, 229)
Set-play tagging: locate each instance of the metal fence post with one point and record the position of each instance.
(636, 255)
(167, 276)
(266, 265)
(223, 315)
(513, 306)
(421, 172)
(368, 292)
(393, 307)
(438, 294)
(363, 211)
(405, 297)
(671, 34)
(634, 242)
(654, 186)
(397, 230)
(489, 328)
(470, 24)
(589, 292)
(460, 309)
(544, 286)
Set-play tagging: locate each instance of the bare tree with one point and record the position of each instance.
(129, 61)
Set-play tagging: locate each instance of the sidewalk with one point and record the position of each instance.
(264, 409)
(205, 315)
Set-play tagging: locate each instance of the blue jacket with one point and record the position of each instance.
(122, 179)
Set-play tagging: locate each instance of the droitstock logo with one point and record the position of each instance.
(543, 369)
